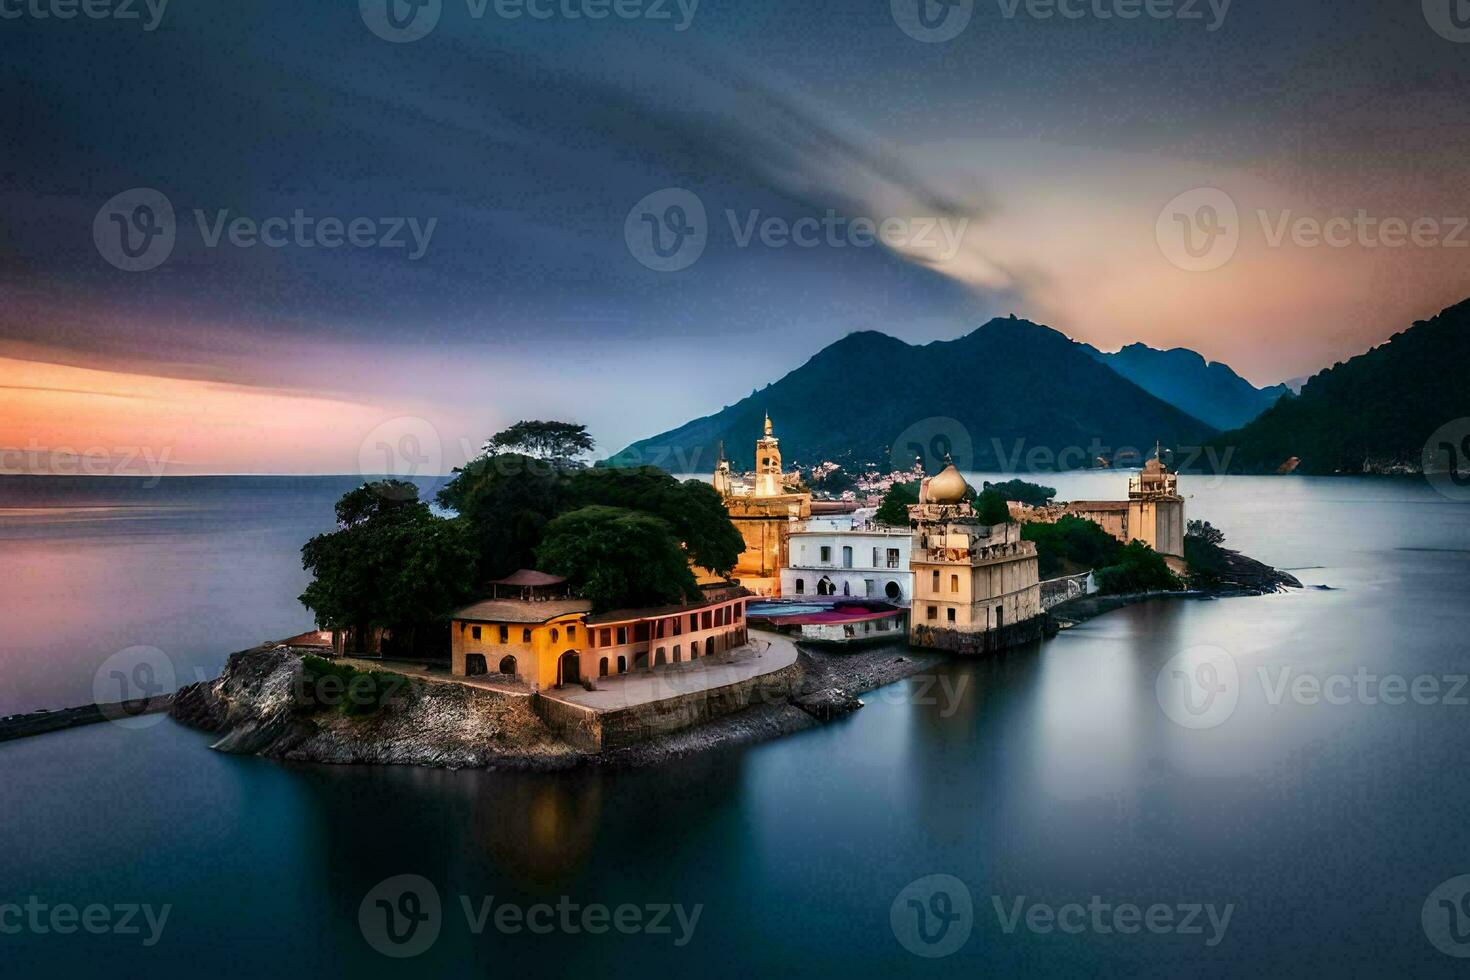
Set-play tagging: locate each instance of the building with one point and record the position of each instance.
(765, 516)
(848, 555)
(976, 586)
(533, 629)
(1153, 512)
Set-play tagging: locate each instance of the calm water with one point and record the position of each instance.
(1051, 774)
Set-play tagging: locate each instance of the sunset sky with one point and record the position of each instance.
(517, 147)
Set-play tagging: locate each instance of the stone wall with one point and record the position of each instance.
(968, 644)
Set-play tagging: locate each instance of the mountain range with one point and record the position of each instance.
(1373, 413)
(1011, 395)
(1208, 390)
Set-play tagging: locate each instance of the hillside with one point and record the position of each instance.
(1012, 385)
(1370, 414)
(1208, 390)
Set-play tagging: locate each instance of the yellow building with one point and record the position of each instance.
(532, 630)
(764, 516)
(976, 586)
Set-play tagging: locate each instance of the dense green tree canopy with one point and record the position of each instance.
(542, 440)
(1027, 493)
(1071, 545)
(391, 564)
(618, 558)
(894, 511)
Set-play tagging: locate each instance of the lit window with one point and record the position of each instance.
(954, 583)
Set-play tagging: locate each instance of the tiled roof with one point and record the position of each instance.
(521, 611)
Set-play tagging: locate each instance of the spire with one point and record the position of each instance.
(722, 451)
(770, 429)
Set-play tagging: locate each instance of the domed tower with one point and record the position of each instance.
(976, 587)
(768, 464)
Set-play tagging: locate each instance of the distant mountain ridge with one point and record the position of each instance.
(1373, 413)
(1208, 390)
(1011, 395)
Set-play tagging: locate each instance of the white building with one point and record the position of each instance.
(848, 555)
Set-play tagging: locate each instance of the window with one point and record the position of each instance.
(606, 640)
(867, 587)
(801, 586)
(677, 648)
(739, 611)
(954, 583)
(678, 625)
(875, 557)
(936, 582)
(555, 634)
(622, 635)
(475, 632)
(693, 622)
(826, 555)
(525, 636)
(622, 665)
(571, 632)
(892, 557)
(846, 557)
(949, 614)
(708, 619)
(933, 612)
(505, 634)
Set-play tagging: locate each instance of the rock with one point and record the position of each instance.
(828, 703)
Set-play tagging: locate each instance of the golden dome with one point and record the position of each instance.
(949, 487)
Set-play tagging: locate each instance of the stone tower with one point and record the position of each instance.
(767, 464)
(722, 481)
(976, 586)
(1155, 508)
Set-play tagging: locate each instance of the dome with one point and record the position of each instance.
(949, 487)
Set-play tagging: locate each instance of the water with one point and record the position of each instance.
(1050, 774)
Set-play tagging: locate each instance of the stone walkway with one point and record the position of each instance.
(766, 653)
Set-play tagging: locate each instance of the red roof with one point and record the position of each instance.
(529, 578)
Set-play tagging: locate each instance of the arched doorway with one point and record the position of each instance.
(569, 668)
(622, 665)
(709, 647)
(892, 591)
(474, 664)
(825, 587)
(661, 657)
(602, 668)
(507, 665)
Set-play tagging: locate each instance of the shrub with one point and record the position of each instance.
(351, 692)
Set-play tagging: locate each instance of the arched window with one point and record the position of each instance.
(507, 665)
(555, 634)
(801, 586)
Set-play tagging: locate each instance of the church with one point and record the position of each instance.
(765, 514)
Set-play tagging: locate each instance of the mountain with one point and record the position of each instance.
(1208, 390)
(1009, 389)
(1373, 413)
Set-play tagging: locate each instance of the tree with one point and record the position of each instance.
(561, 441)
(391, 564)
(1202, 550)
(505, 502)
(693, 508)
(618, 558)
(1071, 545)
(1020, 491)
(1139, 569)
(991, 508)
(894, 511)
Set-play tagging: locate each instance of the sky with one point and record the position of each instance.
(284, 237)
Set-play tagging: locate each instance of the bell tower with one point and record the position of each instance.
(768, 464)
